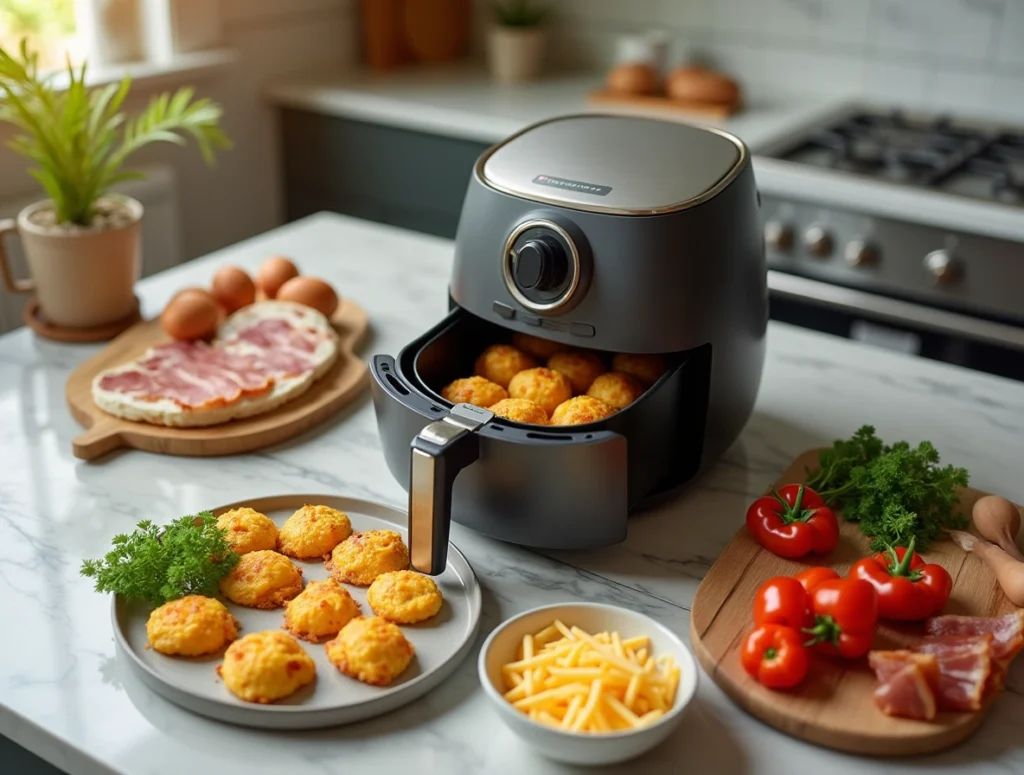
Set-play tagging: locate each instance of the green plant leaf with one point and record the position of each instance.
(79, 138)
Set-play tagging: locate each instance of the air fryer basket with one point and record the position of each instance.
(543, 486)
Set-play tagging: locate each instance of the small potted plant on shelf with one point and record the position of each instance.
(515, 45)
(82, 244)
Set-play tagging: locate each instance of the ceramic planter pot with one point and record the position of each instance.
(516, 54)
(82, 277)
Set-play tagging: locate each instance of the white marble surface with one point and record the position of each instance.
(64, 696)
(462, 101)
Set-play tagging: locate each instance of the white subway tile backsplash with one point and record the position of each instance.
(954, 55)
(792, 19)
(1010, 47)
(843, 21)
(940, 28)
(1008, 96)
(967, 92)
(898, 84)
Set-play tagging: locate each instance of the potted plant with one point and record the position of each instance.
(82, 244)
(515, 44)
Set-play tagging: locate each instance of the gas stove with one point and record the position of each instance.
(933, 153)
(909, 227)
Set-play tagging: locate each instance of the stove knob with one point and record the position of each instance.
(778, 236)
(540, 264)
(943, 266)
(818, 242)
(861, 253)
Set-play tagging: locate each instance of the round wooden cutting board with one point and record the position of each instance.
(834, 706)
(345, 380)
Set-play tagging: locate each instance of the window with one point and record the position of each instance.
(110, 33)
(50, 26)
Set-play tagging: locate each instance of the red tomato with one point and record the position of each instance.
(775, 656)
(812, 577)
(782, 600)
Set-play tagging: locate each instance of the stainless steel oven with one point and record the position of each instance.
(904, 231)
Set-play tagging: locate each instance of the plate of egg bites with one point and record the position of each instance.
(536, 381)
(320, 623)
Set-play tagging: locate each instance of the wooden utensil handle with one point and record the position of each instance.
(103, 437)
(10, 283)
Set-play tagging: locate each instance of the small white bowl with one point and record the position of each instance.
(577, 747)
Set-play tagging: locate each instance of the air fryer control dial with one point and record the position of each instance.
(541, 266)
(540, 263)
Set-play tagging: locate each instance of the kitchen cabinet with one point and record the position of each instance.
(415, 180)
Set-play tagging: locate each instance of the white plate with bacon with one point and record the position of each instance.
(274, 369)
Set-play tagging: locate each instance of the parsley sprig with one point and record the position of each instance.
(895, 492)
(187, 557)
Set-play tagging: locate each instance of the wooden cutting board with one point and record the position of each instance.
(682, 108)
(834, 706)
(345, 380)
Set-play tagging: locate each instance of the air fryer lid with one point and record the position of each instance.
(613, 164)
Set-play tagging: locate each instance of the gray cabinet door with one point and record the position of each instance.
(396, 176)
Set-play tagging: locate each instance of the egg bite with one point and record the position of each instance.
(262, 579)
(500, 362)
(404, 597)
(362, 557)
(320, 611)
(543, 386)
(474, 390)
(580, 368)
(191, 626)
(312, 532)
(647, 368)
(370, 649)
(616, 389)
(581, 410)
(541, 349)
(521, 410)
(266, 666)
(247, 530)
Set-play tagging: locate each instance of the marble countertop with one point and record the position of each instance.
(463, 101)
(64, 695)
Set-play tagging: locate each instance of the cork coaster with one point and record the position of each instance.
(34, 319)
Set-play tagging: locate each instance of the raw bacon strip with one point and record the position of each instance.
(197, 375)
(887, 664)
(907, 693)
(965, 666)
(1007, 631)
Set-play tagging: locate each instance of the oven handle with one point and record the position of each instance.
(896, 310)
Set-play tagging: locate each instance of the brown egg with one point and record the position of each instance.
(273, 273)
(311, 291)
(192, 314)
(233, 288)
(633, 78)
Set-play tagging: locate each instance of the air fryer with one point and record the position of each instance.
(609, 233)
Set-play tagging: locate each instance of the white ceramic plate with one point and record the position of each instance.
(441, 643)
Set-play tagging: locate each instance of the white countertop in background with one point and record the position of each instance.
(462, 101)
(65, 696)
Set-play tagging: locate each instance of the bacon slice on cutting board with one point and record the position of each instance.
(965, 665)
(1007, 631)
(961, 662)
(264, 355)
(907, 693)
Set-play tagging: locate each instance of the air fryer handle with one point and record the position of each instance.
(439, 453)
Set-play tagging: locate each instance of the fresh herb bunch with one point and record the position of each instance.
(519, 13)
(895, 492)
(156, 565)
